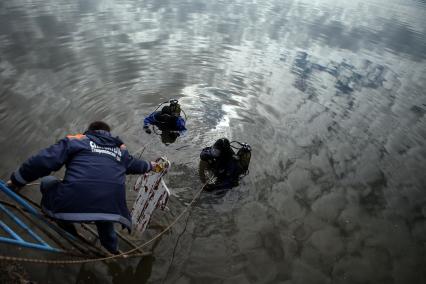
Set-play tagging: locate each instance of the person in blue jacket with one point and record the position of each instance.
(167, 120)
(93, 188)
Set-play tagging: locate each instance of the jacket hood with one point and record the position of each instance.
(103, 138)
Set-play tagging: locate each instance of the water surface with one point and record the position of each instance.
(329, 94)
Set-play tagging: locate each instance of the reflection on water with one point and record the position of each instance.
(127, 274)
(330, 94)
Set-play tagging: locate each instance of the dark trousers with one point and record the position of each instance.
(106, 232)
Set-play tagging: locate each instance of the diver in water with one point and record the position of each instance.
(168, 120)
(221, 163)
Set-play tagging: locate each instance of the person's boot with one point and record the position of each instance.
(67, 226)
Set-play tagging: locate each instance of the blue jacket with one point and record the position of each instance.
(93, 187)
(165, 122)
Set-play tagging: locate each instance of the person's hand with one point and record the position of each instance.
(155, 167)
(147, 130)
(158, 165)
(12, 186)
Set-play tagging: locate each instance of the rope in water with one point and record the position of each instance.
(123, 255)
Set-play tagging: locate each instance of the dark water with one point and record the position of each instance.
(330, 95)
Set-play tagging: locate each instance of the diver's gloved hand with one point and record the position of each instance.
(146, 128)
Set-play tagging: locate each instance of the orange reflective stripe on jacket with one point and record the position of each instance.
(77, 136)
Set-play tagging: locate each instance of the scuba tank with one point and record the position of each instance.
(174, 107)
(243, 156)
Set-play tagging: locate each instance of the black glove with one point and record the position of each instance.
(147, 130)
(12, 186)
